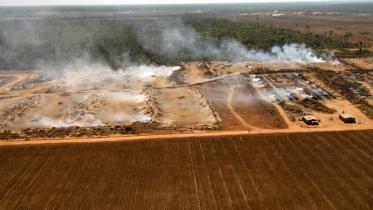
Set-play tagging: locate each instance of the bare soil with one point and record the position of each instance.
(363, 63)
(199, 96)
(329, 170)
(238, 104)
(183, 107)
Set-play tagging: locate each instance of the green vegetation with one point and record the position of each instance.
(123, 44)
(258, 36)
(346, 53)
(113, 41)
(6, 135)
(252, 35)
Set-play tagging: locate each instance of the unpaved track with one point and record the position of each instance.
(279, 109)
(284, 116)
(178, 136)
(230, 107)
(18, 78)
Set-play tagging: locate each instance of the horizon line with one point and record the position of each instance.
(180, 4)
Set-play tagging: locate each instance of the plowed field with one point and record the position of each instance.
(331, 170)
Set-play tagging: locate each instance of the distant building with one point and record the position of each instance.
(310, 120)
(277, 14)
(347, 118)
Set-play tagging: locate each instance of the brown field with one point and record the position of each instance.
(239, 106)
(332, 170)
(218, 98)
(258, 113)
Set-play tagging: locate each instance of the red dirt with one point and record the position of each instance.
(331, 170)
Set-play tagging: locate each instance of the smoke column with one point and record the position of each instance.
(177, 39)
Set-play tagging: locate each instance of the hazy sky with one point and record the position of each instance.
(109, 2)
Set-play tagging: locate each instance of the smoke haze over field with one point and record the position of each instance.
(104, 62)
(177, 39)
(28, 43)
(98, 95)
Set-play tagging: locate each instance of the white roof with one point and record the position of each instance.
(345, 115)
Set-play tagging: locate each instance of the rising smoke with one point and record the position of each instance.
(91, 84)
(40, 120)
(86, 71)
(177, 40)
(27, 43)
(65, 52)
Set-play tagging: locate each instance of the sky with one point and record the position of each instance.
(115, 2)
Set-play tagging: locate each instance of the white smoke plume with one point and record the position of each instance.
(58, 123)
(149, 72)
(289, 53)
(123, 96)
(279, 93)
(92, 85)
(131, 117)
(178, 40)
(85, 71)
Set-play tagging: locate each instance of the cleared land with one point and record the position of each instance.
(183, 107)
(363, 63)
(248, 172)
(197, 96)
(237, 103)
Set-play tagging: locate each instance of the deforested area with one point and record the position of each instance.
(105, 71)
(186, 106)
(328, 170)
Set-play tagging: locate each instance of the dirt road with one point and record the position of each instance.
(194, 134)
(230, 107)
(17, 79)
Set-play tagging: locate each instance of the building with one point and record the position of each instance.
(347, 118)
(311, 120)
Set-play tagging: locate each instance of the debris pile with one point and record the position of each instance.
(18, 110)
(152, 107)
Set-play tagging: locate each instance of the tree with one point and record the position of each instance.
(361, 44)
(360, 51)
(331, 32)
(308, 27)
(347, 36)
(257, 21)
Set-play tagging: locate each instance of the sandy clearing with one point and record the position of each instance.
(364, 63)
(184, 107)
(6, 79)
(178, 106)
